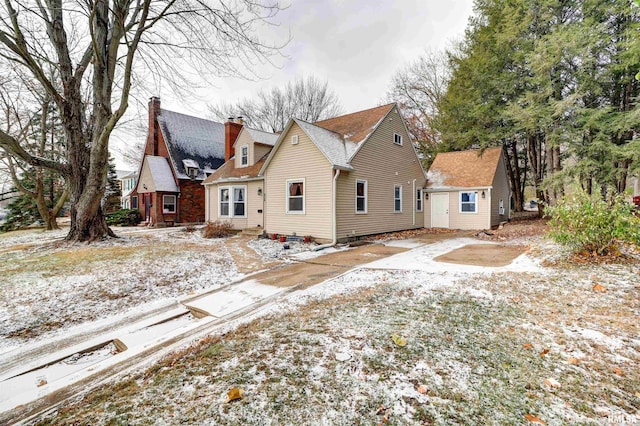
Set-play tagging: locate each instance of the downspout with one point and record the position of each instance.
(413, 210)
(334, 220)
(490, 207)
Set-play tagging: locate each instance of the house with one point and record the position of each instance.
(468, 190)
(348, 176)
(180, 152)
(127, 184)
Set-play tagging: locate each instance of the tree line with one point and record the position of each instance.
(553, 82)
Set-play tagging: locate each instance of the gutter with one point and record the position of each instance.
(334, 220)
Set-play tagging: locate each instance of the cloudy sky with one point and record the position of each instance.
(356, 45)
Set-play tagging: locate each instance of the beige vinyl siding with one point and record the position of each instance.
(478, 220)
(146, 180)
(383, 164)
(301, 161)
(254, 203)
(500, 191)
(244, 138)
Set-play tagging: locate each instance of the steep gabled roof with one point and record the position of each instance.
(161, 174)
(464, 169)
(356, 127)
(192, 138)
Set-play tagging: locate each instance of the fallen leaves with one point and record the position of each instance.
(399, 341)
(618, 371)
(598, 288)
(544, 352)
(573, 361)
(527, 346)
(534, 419)
(234, 394)
(422, 389)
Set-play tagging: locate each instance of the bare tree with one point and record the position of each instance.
(417, 88)
(91, 47)
(307, 99)
(39, 133)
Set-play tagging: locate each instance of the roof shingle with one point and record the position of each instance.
(464, 169)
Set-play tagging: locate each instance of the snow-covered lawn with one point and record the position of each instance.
(558, 345)
(49, 288)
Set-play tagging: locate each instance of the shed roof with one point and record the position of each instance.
(464, 169)
(262, 137)
(192, 138)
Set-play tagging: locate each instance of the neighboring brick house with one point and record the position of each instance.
(181, 151)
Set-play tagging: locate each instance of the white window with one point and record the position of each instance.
(294, 140)
(397, 198)
(295, 196)
(397, 139)
(419, 199)
(224, 202)
(244, 156)
(233, 201)
(361, 196)
(468, 202)
(168, 204)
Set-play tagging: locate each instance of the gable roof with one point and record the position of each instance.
(229, 172)
(464, 169)
(262, 137)
(357, 126)
(331, 144)
(192, 138)
(161, 174)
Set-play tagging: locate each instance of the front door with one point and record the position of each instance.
(440, 210)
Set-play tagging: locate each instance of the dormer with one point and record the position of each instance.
(191, 168)
(251, 145)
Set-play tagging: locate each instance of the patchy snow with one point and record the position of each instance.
(271, 249)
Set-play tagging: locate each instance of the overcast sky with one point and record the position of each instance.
(355, 45)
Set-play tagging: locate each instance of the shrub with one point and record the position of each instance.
(589, 223)
(190, 228)
(124, 217)
(217, 229)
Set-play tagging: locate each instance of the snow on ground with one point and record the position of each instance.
(52, 288)
(271, 249)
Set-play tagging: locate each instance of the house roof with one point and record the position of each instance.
(229, 171)
(464, 169)
(161, 175)
(331, 144)
(357, 126)
(192, 138)
(262, 137)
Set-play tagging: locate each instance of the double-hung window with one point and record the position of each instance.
(295, 196)
(168, 204)
(468, 202)
(419, 199)
(397, 198)
(244, 155)
(361, 196)
(397, 139)
(233, 201)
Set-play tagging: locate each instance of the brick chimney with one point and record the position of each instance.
(152, 132)
(231, 130)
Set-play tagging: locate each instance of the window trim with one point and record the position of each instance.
(232, 201)
(365, 197)
(419, 200)
(475, 203)
(134, 205)
(399, 198)
(397, 139)
(287, 196)
(175, 204)
(244, 158)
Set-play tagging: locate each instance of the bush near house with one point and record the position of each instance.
(587, 223)
(124, 217)
(217, 229)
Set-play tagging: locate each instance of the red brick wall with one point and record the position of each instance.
(191, 201)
